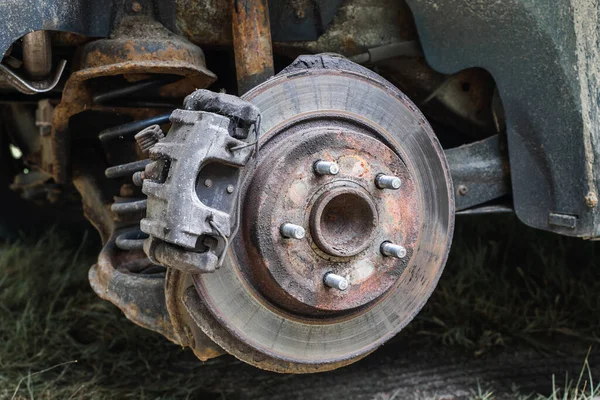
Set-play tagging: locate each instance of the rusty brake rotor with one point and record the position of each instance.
(346, 222)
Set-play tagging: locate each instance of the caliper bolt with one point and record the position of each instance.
(326, 168)
(389, 249)
(388, 182)
(292, 231)
(335, 281)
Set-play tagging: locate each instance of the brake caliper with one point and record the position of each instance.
(193, 181)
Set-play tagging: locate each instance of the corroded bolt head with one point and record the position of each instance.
(326, 168)
(389, 249)
(335, 281)
(388, 182)
(292, 231)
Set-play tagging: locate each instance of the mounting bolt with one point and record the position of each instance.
(335, 281)
(292, 231)
(388, 182)
(462, 190)
(230, 189)
(326, 168)
(390, 249)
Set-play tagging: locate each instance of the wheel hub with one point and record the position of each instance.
(345, 215)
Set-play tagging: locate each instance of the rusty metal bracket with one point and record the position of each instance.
(128, 52)
(187, 233)
(134, 285)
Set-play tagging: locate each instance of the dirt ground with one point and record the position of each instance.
(412, 370)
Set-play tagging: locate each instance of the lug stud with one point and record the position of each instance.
(326, 168)
(388, 182)
(389, 249)
(292, 231)
(335, 281)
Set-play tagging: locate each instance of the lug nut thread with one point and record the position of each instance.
(388, 182)
(389, 249)
(335, 281)
(292, 231)
(326, 168)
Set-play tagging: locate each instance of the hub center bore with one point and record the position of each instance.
(343, 221)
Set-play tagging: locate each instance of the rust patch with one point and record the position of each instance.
(115, 277)
(160, 52)
(187, 331)
(251, 43)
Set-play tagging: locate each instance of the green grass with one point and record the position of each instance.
(503, 284)
(583, 388)
(59, 341)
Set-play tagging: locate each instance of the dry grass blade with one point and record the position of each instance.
(29, 376)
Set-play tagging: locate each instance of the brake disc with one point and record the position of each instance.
(344, 220)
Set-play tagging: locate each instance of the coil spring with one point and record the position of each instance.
(127, 208)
